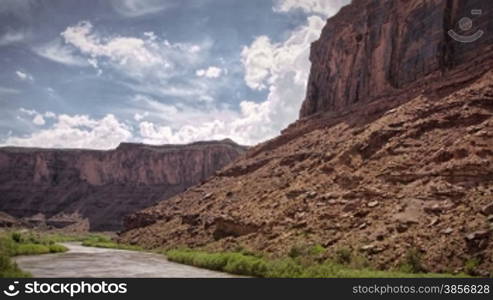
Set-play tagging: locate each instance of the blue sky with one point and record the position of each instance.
(93, 74)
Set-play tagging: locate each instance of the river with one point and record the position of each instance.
(82, 261)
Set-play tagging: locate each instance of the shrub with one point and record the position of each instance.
(317, 250)
(245, 265)
(7, 246)
(106, 243)
(55, 248)
(343, 256)
(211, 261)
(5, 262)
(238, 263)
(31, 249)
(471, 265)
(412, 262)
(16, 237)
(284, 268)
(306, 251)
(359, 262)
(8, 269)
(16, 243)
(27, 244)
(295, 251)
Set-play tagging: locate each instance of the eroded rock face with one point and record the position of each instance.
(7, 221)
(394, 152)
(375, 49)
(103, 186)
(346, 182)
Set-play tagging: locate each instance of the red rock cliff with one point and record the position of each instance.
(375, 49)
(103, 186)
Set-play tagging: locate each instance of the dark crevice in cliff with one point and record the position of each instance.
(391, 74)
(446, 58)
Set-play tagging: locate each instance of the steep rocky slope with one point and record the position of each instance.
(60, 187)
(405, 163)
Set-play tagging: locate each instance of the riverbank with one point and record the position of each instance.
(16, 243)
(303, 262)
(301, 266)
(102, 241)
(308, 262)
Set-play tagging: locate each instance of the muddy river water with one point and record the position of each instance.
(82, 261)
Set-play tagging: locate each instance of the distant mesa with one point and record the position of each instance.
(101, 187)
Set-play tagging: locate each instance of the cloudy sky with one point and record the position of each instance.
(92, 74)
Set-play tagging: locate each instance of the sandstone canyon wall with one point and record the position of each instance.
(63, 186)
(394, 151)
(375, 49)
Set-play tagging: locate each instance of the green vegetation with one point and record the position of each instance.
(27, 243)
(101, 241)
(9, 269)
(231, 262)
(303, 251)
(300, 266)
(23, 243)
(343, 256)
(317, 250)
(303, 261)
(62, 238)
(412, 262)
(471, 266)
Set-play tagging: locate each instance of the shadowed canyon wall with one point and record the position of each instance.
(103, 186)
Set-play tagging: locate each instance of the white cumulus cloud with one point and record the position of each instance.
(211, 72)
(77, 131)
(139, 117)
(29, 112)
(322, 7)
(258, 59)
(50, 115)
(24, 75)
(283, 69)
(39, 120)
(131, 53)
(149, 62)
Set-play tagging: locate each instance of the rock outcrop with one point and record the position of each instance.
(61, 187)
(391, 48)
(393, 153)
(7, 221)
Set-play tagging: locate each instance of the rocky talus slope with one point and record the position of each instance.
(97, 188)
(406, 165)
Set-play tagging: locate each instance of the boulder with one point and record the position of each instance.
(487, 209)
